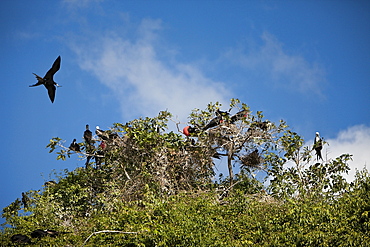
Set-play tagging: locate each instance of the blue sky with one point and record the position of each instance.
(307, 62)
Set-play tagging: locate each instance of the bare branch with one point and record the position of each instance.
(80, 152)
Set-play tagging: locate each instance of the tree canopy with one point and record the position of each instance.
(142, 184)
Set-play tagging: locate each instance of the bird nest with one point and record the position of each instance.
(222, 134)
(251, 160)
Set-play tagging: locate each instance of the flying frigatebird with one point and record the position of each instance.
(48, 80)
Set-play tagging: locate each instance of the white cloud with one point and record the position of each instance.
(142, 82)
(285, 70)
(356, 141)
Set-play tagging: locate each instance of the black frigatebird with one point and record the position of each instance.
(220, 117)
(89, 147)
(263, 125)
(48, 80)
(38, 233)
(42, 233)
(106, 134)
(87, 134)
(88, 158)
(189, 130)
(74, 146)
(50, 183)
(101, 133)
(99, 155)
(103, 145)
(25, 200)
(238, 116)
(19, 238)
(216, 120)
(317, 145)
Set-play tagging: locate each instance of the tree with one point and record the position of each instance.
(156, 187)
(165, 162)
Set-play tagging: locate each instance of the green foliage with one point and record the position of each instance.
(296, 175)
(152, 187)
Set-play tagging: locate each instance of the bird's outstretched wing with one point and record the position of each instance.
(238, 116)
(56, 66)
(51, 91)
(40, 81)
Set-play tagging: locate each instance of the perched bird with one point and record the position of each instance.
(99, 155)
(74, 146)
(101, 133)
(88, 158)
(263, 125)
(19, 238)
(106, 134)
(220, 115)
(48, 80)
(42, 233)
(25, 200)
(88, 135)
(38, 233)
(113, 136)
(238, 116)
(50, 183)
(189, 130)
(103, 145)
(213, 123)
(317, 145)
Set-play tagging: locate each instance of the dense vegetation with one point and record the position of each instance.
(143, 185)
